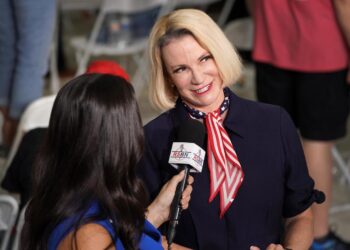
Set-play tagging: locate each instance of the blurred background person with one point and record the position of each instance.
(26, 29)
(301, 50)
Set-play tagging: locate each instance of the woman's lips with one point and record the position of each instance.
(203, 90)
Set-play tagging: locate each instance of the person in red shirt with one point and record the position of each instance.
(301, 50)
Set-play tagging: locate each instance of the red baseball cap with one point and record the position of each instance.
(107, 67)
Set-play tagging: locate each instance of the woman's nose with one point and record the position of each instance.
(197, 76)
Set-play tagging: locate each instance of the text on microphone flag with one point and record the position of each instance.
(187, 153)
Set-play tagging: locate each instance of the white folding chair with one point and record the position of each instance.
(85, 48)
(64, 5)
(36, 115)
(8, 214)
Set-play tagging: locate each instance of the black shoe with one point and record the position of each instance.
(330, 242)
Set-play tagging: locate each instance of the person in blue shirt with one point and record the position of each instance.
(85, 191)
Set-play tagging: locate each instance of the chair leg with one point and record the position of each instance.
(344, 169)
(54, 78)
(83, 62)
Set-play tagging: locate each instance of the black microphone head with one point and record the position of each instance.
(191, 131)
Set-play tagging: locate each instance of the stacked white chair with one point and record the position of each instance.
(36, 115)
(8, 215)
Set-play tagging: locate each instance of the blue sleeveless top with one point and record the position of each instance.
(150, 238)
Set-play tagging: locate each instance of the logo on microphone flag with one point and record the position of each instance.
(187, 153)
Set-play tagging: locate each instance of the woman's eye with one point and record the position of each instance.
(206, 58)
(179, 70)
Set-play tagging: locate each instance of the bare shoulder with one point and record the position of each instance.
(89, 236)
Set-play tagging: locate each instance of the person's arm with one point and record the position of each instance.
(159, 210)
(88, 237)
(299, 194)
(342, 10)
(298, 233)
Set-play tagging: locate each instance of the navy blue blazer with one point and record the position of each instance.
(276, 185)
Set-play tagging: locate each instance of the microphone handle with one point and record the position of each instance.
(175, 209)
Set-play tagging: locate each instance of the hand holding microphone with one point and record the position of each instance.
(159, 210)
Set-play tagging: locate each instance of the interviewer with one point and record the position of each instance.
(86, 194)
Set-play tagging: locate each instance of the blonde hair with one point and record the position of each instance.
(206, 32)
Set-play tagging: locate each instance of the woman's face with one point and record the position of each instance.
(194, 73)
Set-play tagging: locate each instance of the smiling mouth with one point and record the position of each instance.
(202, 90)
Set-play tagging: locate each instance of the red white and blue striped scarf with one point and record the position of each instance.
(226, 174)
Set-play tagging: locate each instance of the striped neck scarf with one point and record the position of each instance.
(226, 175)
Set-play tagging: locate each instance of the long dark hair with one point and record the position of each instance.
(93, 143)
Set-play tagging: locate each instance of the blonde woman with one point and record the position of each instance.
(255, 177)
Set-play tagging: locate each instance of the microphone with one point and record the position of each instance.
(186, 154)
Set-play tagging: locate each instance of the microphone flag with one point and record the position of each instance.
(187, 153)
